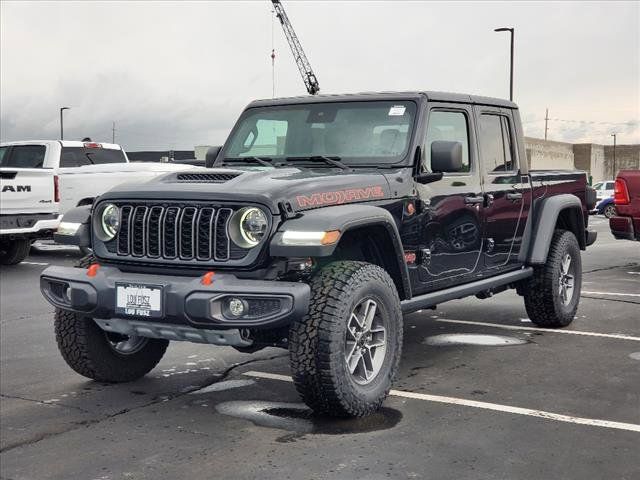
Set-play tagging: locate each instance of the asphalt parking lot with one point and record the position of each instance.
(520, 403)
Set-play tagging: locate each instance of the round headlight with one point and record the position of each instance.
(109, 221)
(248, 227)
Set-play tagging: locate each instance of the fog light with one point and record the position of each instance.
(236, 307)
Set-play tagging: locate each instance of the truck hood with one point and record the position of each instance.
(301, 188)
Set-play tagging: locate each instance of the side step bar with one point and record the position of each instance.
(460, 291)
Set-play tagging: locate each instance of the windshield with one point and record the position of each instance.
(362, 133)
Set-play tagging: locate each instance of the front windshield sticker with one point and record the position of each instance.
(397, 111)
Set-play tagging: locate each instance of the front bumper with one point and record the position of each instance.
(187, 303)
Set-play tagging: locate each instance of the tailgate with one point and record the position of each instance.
(26, 190)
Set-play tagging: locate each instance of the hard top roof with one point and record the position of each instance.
(412, 95)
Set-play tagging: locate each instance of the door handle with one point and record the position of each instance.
(513, 196)
(473, 200)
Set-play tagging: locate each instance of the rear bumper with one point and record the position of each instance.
(590, 237)
(622, 228)
(187, 303)
(29, 225)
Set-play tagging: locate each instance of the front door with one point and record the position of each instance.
(451, 220)
(507, 191)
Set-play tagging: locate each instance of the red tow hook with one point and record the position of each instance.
(93, 269)
(207, 278)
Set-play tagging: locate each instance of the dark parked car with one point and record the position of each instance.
(626, 223)
(324, 219)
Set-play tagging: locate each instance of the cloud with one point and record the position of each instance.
(177, 74)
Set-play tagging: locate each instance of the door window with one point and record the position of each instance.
(451, 127)
(496, 143)
(23, 156)
(609, 186)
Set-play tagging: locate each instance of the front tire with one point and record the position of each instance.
(102, 356)
(345, 352)
(13, 252)
(552, 295)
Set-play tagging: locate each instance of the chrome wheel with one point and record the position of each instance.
(126, 345)
(365, 342)
(567, 280)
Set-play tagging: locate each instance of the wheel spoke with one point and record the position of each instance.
(367, 361)
(353, 361)
(358, 321)
(369, 312)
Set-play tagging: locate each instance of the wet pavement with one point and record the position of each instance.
(482, 394)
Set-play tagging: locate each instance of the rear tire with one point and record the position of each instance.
(354, 310)
(552, 295)
(13, 252)
(102, 356)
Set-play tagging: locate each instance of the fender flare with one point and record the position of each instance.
(545, 224)
(82, 237)
(343, 218)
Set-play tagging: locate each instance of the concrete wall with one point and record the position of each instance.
(590, 158)
(548, 155)
(627, 157)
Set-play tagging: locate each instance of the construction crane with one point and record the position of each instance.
(308, 77)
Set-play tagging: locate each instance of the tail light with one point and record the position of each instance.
(92, 145)
(56, 189)
(620, 192)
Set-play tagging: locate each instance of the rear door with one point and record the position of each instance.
(507, 192)
(26, 186)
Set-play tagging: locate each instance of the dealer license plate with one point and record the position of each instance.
(139, 300)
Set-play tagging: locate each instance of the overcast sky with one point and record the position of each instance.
(177, 74)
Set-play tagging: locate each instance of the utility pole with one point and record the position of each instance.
(113, 132)
(62, 109)
(510, 30)
(546, 123)
(614, 135)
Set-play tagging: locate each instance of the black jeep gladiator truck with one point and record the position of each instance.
(321, 222)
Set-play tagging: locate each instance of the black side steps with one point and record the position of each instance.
(460, 291)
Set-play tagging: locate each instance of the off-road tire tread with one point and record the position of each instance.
(539, 294)
(78, 336)
(312, 353)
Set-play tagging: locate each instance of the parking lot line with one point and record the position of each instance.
(594, 422)
(613, 294)
(617, 336)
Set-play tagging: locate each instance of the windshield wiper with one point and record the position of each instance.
(259, 160)
(334, 161)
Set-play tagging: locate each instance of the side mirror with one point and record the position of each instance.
(210, 157)
(446, 156)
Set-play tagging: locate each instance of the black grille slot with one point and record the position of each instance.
(138, 231)
(170, 232)
(186, 233)
(221, 247)
(123, 234)
(205, 228)
(187, 224)
(206, 177)
(154, 227)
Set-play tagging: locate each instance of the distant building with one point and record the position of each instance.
(596, 160)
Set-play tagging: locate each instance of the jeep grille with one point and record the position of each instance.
(189, 234)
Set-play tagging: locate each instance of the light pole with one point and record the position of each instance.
(614, 135)
(62, 109)
(511, 30)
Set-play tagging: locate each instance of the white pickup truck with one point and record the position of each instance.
(41, 179)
